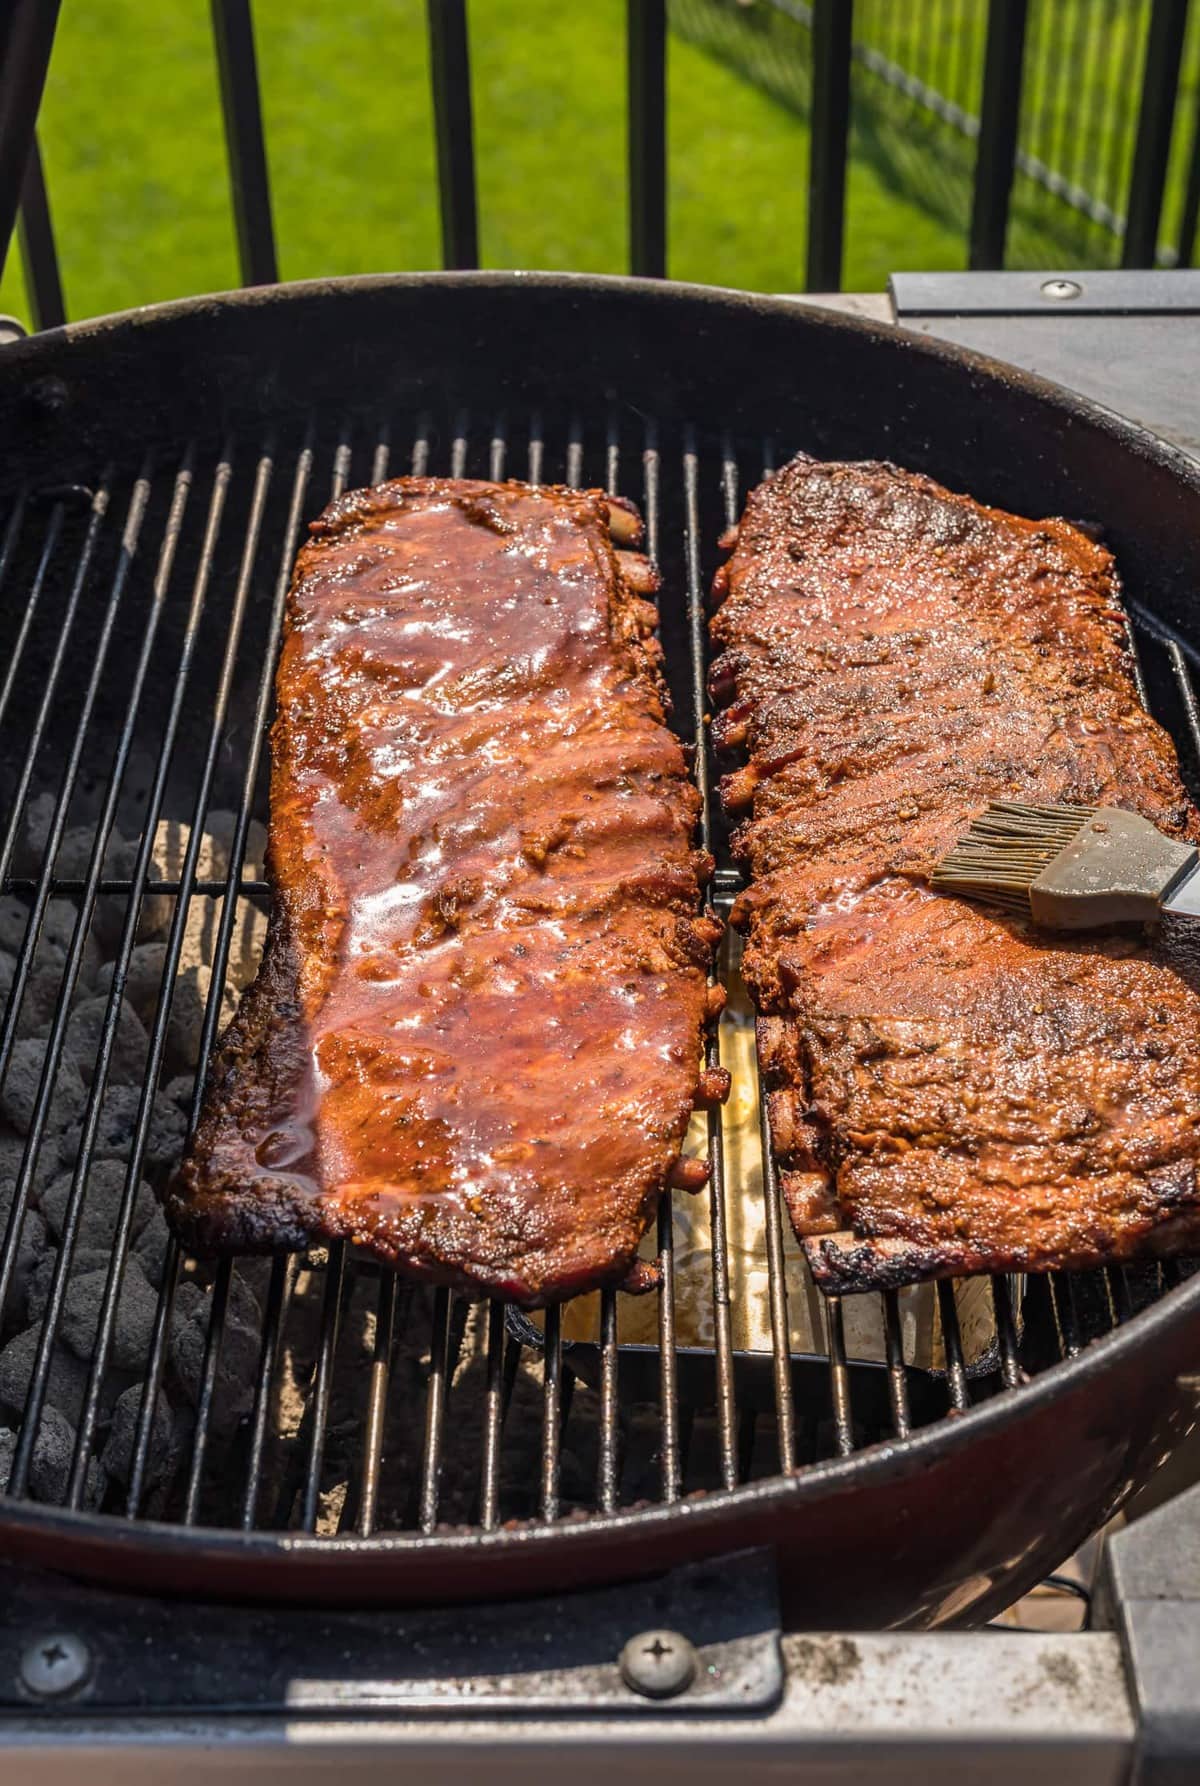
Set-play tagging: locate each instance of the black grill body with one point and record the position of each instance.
(347, 1438)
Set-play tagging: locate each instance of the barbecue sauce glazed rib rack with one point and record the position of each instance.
(316, 1396)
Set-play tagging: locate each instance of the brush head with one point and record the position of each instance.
(1068, 867)
(1006, 849)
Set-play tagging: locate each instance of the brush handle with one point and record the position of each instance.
(1117, 870)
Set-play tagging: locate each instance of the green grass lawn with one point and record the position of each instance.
(132, 140)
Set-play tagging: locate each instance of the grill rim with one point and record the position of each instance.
(717, 1513)
(890, 1461)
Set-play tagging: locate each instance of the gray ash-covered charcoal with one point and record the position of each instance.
(84, 1260)
(127, 1059)
(117, 1457)
(150, 1248)
(114, 1134)
(19, 1093)
(238, 1359)
(134, 1322)
(68, 1376)
(143, 978)
(50, 1465)
(101, 1202)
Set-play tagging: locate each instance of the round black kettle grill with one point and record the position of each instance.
(312, 1428)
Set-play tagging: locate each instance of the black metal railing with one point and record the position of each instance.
(1095, 105)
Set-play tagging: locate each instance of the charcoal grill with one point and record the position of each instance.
(347, 1439)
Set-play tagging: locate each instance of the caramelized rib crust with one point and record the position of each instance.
(473, 1044)
(949, 1091)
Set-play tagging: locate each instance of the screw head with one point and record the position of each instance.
(55, 1665)
(1061, 289)
(658, 1664)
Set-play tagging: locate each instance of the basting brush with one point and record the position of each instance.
(1072, 867)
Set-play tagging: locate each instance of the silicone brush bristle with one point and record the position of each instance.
(1006, 849)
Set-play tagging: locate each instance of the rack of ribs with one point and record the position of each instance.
(473, 1045)
(949, 1091)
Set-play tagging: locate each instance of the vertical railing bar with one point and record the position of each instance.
(1121, 63)
(646, 58)
(26, 39)
(1189, 214)
(245, 143)
(39, 255)
(832, 38)
(551, 1412)
(376, 1422)
(999, 122)
(956, 1373)
(1156, 119)
(450, 74)
(435, 1409)
(897, 1376)
(279, 1292)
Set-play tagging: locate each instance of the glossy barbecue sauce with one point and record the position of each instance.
(481, 841)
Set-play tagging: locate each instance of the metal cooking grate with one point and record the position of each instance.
(319, 1392)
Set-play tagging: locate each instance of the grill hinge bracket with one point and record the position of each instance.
(562, 1655)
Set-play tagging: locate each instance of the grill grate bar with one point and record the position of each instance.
(781, 1352)
(435, 1409)
(162, 1324)
(722, 1318)
(35, 1395)
(73, 885)
(174, 949)
(1006, 1332)
(552, 1411)
(537, 448)
(493, 1424)
(208, 1388)
(83, 922)
(381, 1365)
(1066, 1313)
(897, 1379)
(668, 1363)
(727, 1424)
(608, 1460)
(498, 449)
(318, 1407)
(24, 960)
(952, 1346)
(839, 1377)
(8, 546)
(279, 1293)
